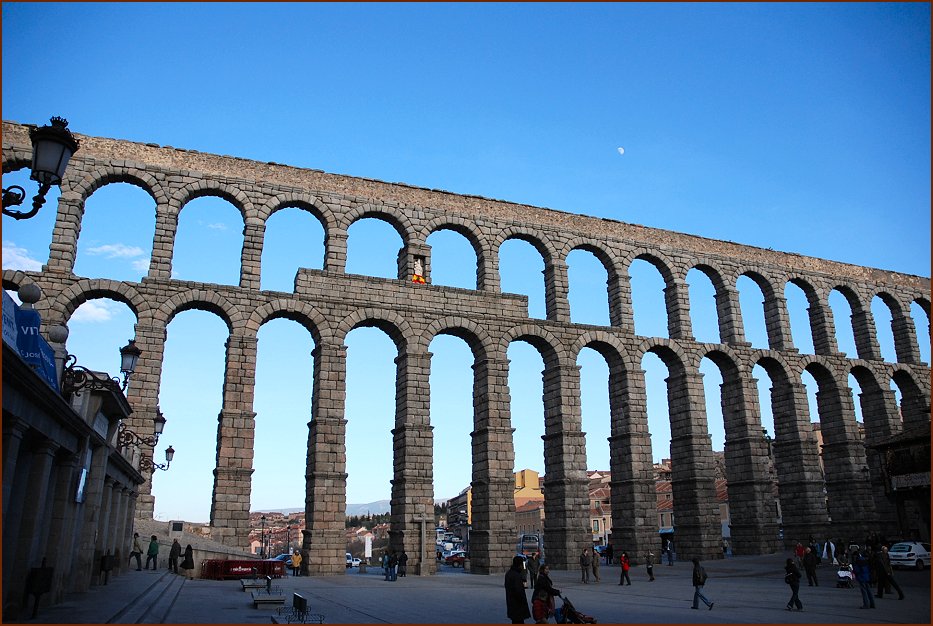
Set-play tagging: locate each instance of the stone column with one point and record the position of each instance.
(693, 484)
(677, 300)
(847, 489)
(777, 324)
(796, 457)
(13, 432)
(64, 247)
(324, 542)
(632, 491)
(620, 301)
(62, 529)
(566, 495)
(879, 406)
(235, 434)
(335, 252)
(119, 544)
(104, 533)
(729, 313)
(823, 328)
(866, 341)
(753, 525)
(905, 338)
(413, 460)
(492, 536)
(487, 270)
(254, 231)
(163, 243)
(556, 288)
(409, 260)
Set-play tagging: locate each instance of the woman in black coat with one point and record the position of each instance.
(542, 602)
(792, 578)
(516, 602)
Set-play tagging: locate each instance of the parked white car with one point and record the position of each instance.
(909, 554)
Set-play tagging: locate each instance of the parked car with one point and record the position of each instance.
(283, 557)
(355, 562)
(456, 558)
(909, 554)
(349, 560)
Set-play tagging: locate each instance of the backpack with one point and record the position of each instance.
(703, 576)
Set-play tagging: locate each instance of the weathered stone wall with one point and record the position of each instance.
(330, 304)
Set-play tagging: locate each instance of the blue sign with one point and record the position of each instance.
(31, 345)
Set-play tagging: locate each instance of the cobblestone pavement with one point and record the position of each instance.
(746, 590)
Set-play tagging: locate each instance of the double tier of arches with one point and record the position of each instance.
(489, 322)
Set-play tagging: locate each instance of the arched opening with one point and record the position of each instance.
(282, 402)
(649, 308)
(26, 243)
(594, 407)
(521, 271)
(293, 239)
(588, 288)
(116, 233)
(210, 229)
(526, 407)
(191, 419)
(842, 316)
(97, 329)
(882, 315)
(798, 312)
(451, 383)
(921, 318)
(373, 245)
(751, 301)
(453, 259)
(659, 420)
(703, 313)
(856, 389)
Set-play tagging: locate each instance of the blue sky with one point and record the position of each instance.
(799, 127)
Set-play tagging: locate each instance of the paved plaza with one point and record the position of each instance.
(744, 590)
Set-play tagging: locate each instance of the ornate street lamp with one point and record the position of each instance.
(52, 147)
(146, 464)
(126, 437)
(262, 538)
(77, 377)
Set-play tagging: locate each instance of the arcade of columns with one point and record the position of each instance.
(331, 303)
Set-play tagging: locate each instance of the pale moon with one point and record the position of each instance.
(621, 150)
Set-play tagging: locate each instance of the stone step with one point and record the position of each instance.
(152, 605)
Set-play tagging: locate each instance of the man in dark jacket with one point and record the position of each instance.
(699, 579)
(516, 603)
(809, 566)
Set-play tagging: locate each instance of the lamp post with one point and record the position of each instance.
(146, 463)
(126, 437)
(77, 377)
(52, 147)
(262, 538)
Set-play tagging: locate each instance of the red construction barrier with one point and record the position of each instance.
(219, 569)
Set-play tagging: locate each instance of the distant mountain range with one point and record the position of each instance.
(370, 508)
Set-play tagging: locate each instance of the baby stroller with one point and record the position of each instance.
(567, 614)
(844, 576)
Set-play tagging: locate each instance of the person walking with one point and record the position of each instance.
(403, 564)
(542, 601)
(187, 563)
(609, 554)
(152, 555)
(809, 566)
(624, 566)
(798, 554)
(863, 576)
(595, 566)
(296, 562)
(792, 578)
(385, 564)
(136, 552)
(670, 552)
(516, 602)
(649, 565)
(533, 564)
(886, 575)
(699, 579)
(585, 566)
(393, 567)
(173, 555)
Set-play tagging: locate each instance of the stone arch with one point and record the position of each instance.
(103, 176)
(390, 322)
(473, 334)
(915, 403)
(906, 348)
(486, 265)
(14, 279)
(94, 288)
(302, 313)
(304, 201)
(392, 216)
(537, 238)
(818, 314)
(550, 348)
(229, 192)
(13, 161)
(200, 300)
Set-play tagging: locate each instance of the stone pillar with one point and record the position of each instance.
(677, 300)
(905, 338)
(632, 491)
(796, 457)
(879, 407)
(753, 524)
(412, 259)
(823, 328)
(556, 288)
(866, 341)
(693, 484)
(729, 313)
(487, 270)
(64, 247)
(119, 544)
(492, 534)
(324, 542)
(777, 324)
(62, 529)
(163, 243)
(13, 432)
(413, 446)
(254, 231)
(566, 494)
(104, 533)
(620, 301)
(143, 395)
(335, 252)
(235, 434)
(847, 489)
